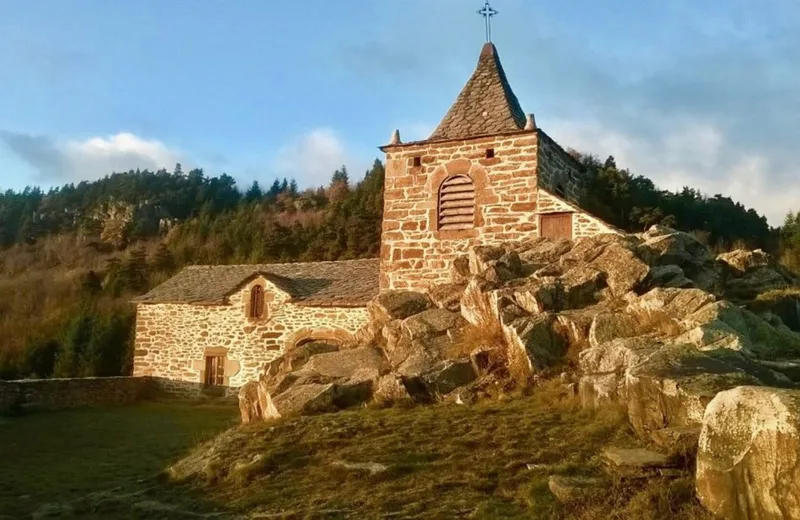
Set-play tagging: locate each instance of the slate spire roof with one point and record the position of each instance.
(486, 105)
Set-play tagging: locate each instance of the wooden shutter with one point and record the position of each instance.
(256, 302)
(556, 225)
(457, 203)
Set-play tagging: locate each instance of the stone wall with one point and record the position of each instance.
(583, 224)
(415, 255)
(173, 340)
(557, 171)
(59, 394)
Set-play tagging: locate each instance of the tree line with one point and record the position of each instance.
(72, 257)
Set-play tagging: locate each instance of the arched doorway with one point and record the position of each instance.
(307, 342)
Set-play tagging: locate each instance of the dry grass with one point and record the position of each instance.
(777, 294)
(491, 460)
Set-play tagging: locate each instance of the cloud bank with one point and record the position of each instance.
(62, 161)
(312, 158)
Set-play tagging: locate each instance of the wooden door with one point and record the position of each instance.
(556, 225)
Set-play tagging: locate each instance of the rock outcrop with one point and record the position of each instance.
(652, 322)
(641, 320)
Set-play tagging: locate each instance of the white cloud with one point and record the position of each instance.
(312, 158)
(92, 158)
(123, 151)
(697, 154)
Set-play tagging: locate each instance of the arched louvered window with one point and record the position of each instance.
(457, 203)
(257, 302)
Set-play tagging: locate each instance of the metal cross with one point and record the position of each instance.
(488, 12)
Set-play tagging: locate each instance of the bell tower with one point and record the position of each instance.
(487, 175)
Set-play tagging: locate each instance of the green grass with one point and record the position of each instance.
(57, 457)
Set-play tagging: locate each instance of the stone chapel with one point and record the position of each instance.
(486, 175)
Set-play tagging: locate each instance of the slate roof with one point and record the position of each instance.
(350, 283)
(486, 105)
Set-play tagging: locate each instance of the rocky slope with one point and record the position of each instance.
(652, 321)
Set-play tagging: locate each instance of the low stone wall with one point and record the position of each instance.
(59, 394)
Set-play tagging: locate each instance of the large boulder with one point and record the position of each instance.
(725, 325)
(749, 454)
(607, 326)
(576, 324)
(301, 400)
(448, 296)
(783, 304)
(432, 322)
(345, 363)
(624, 270)
(604, 368)
(580, 286)
(501, 263)
(755, 282)
(391, 389)
(742, 260)
(673, 385)
(618, 355)
(448, 376)
(533, 344)
(666, 246)
(396, 305)
(668, 276)
(538, 295)
(298, 356)
(543, 251)
(409, 357)
(674, 303)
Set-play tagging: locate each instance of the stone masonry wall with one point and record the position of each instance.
(583, 224)
(172, 340)
(59, 394)
(557, 170)
(414, 254)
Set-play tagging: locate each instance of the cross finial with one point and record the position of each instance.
(488, 12)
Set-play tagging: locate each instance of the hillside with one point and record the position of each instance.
(73, 256)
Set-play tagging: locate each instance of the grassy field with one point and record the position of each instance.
(485, 461)
(57, 457)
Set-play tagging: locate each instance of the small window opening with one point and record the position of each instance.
(560, 190)
(417, 162)
(490, 153)
(215, 371)
(256, 302)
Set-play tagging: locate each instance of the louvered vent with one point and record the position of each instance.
(457, 203)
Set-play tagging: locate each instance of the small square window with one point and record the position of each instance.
(417, 161)
(490, 153)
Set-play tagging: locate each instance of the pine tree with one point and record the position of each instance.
(254, 193)
(163, 261)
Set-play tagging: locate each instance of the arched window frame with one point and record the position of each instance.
(456, 205)
(477, 173)
(257, 305)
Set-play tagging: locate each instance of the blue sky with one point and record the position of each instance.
(686, 94)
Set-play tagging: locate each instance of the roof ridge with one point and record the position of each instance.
(486, 105)
(209, 266)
